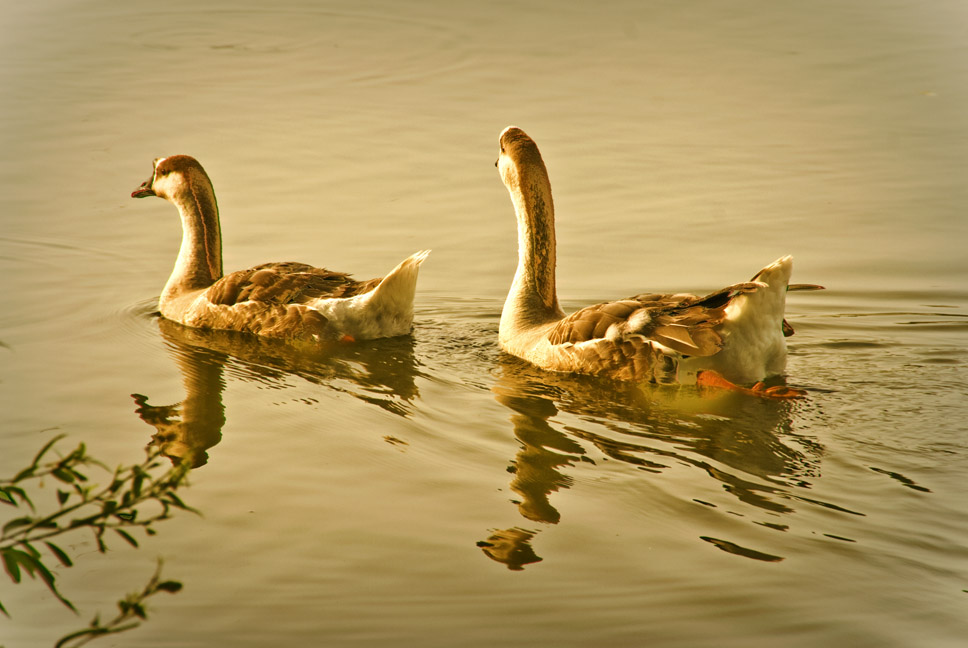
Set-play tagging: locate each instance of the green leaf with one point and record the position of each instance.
(62, 496)
(87, 632)
(17, 522)
(23, 496)
(138, 480)
(4, 610)
(14, 559)
(11, 491)
(44, 450)
(86, 521)
(139, 610)
(62, 474)
(169, 586)
(48, 579)
(174, 499)
(127, 536)
(59, 553)
(10, 565)
(26, 473)
(30, 550)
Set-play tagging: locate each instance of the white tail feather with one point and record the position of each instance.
(398, 287)
(753, 343)
(385, 311)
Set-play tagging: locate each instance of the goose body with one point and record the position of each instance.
(737, 331)
(285, 300)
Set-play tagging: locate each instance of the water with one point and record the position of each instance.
(429, 491)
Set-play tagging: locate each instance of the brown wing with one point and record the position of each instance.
(284, 283)
(632, 358)
(593, 321)
(684, 323)
(270, 300)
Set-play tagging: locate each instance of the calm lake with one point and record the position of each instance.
(429, 490)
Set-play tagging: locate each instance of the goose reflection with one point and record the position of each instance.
(544, 453)
(537, 471)
(745, 443)
(511, 547)
(379, 372)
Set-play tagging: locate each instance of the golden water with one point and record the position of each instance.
(429, 491)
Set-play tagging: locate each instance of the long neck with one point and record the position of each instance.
(199, 262)
(202, 411)
(533, 299)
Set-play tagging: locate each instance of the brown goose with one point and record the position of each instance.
(736, 333)
(281, 300)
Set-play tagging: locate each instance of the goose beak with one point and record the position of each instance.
(144, 190)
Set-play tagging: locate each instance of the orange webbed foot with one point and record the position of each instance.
(778, 391)
(710, 378)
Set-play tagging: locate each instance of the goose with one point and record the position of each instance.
(727, 338)
(292, 301)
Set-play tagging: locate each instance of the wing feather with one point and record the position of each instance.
(683, 323)
(272, 300)
(284, 283)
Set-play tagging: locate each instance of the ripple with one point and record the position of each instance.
(905, 481)
(137, 320)
(837, 537)
(827, 505)
(52, 283)
(851, 344)
(57, 245)
(356, 47)
(938, 325)
(738, 550)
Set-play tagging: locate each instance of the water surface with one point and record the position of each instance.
(429, 490)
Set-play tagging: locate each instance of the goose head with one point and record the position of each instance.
(182, 181)
(173, 179)
(519, 159)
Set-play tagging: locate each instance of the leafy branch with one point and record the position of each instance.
(132, 612)
(118, 507)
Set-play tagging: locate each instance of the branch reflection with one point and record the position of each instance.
(379, 372)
